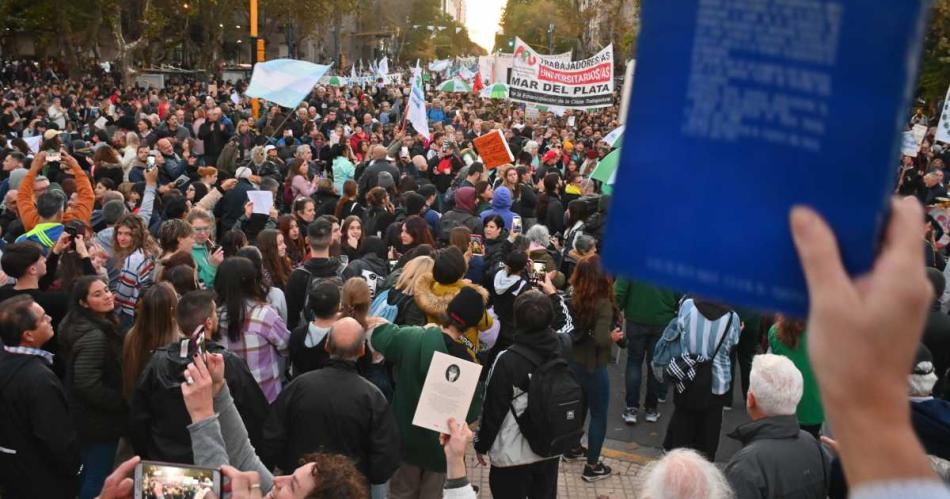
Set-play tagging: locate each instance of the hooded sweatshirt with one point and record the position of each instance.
(461, 214)
(500, 205)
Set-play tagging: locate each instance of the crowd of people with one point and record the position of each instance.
(152, 309)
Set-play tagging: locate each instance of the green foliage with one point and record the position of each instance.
(531, 19)
(935, 60)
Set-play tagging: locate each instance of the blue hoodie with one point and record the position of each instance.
(500, 205)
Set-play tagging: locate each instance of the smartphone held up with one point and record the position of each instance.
(155, 480)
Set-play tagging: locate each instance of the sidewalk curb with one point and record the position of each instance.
(631, 457)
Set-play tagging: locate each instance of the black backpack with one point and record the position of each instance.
(553, 422)
(312, 281)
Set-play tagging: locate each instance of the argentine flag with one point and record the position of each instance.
(285, 82)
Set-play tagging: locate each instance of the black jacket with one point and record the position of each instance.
(409, 312)
(35, 422)
(777, 459)
(370, 267)
(937, 339)
(158, 425)
(553, 216)
(214, 137)
(370, 176)
(333, 410)
(93, 353)
(299, 283)
(508, 379)
(231, 206)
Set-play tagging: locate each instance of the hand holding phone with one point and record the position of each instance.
(153, 477)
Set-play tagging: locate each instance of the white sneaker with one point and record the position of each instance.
(630, 415)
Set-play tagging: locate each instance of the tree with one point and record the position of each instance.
(531, 19)
(935, 59)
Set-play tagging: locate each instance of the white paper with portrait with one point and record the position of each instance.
(447, 392)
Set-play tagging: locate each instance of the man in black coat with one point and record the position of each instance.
(231, 206)
(334, 410)
(39, 448)
(214, 135)
(777, 458)
(158, 427)
(370, 176)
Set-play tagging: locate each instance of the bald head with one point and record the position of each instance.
(346, 339)
(378, 152)
(420, 162)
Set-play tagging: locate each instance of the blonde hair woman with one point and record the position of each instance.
(128, 152)
(401, 295)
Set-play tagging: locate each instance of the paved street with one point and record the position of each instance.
(627, 449)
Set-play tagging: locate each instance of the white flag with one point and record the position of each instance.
(383, 67)
(943, 126)
(417, 104)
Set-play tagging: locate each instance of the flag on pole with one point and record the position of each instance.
(478, 85)
(383, 66)
(353, 72)
(417, 103)
(285, 82)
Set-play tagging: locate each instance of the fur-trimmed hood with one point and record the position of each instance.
(433, 297)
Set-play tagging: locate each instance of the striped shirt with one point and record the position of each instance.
(47, 356)
(700, 337)
(263, 344)
(136, 274)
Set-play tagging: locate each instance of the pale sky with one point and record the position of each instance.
(482, 18)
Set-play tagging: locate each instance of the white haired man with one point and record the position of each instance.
(683, 474)
(930, 417)
(777, 459)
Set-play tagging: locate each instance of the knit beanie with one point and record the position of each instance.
(466, 309)
(449, 265)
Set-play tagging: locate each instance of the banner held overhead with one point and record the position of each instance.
(585, 84)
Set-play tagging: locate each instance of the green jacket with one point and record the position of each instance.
(594, 352)
(206, 271)
(646, 304)
(810, 411)
(410, 349)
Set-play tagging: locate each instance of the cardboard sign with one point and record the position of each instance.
(494, 150)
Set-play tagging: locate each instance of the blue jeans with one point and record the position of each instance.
(596, 387)
(97, 462)
(641, 340)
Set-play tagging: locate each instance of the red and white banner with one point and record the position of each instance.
(537, 79)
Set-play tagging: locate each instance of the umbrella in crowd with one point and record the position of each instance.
(336, 81)
(454, 85)
(495, 91)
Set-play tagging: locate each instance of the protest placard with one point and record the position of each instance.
(493, 148)
(909, 145)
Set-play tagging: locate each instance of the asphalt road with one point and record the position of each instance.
(646, 439)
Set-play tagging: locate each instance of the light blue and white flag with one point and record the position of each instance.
(285, 82)
(382, 69)
(417, 104)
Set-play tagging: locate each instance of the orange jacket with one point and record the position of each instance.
(81, 210)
